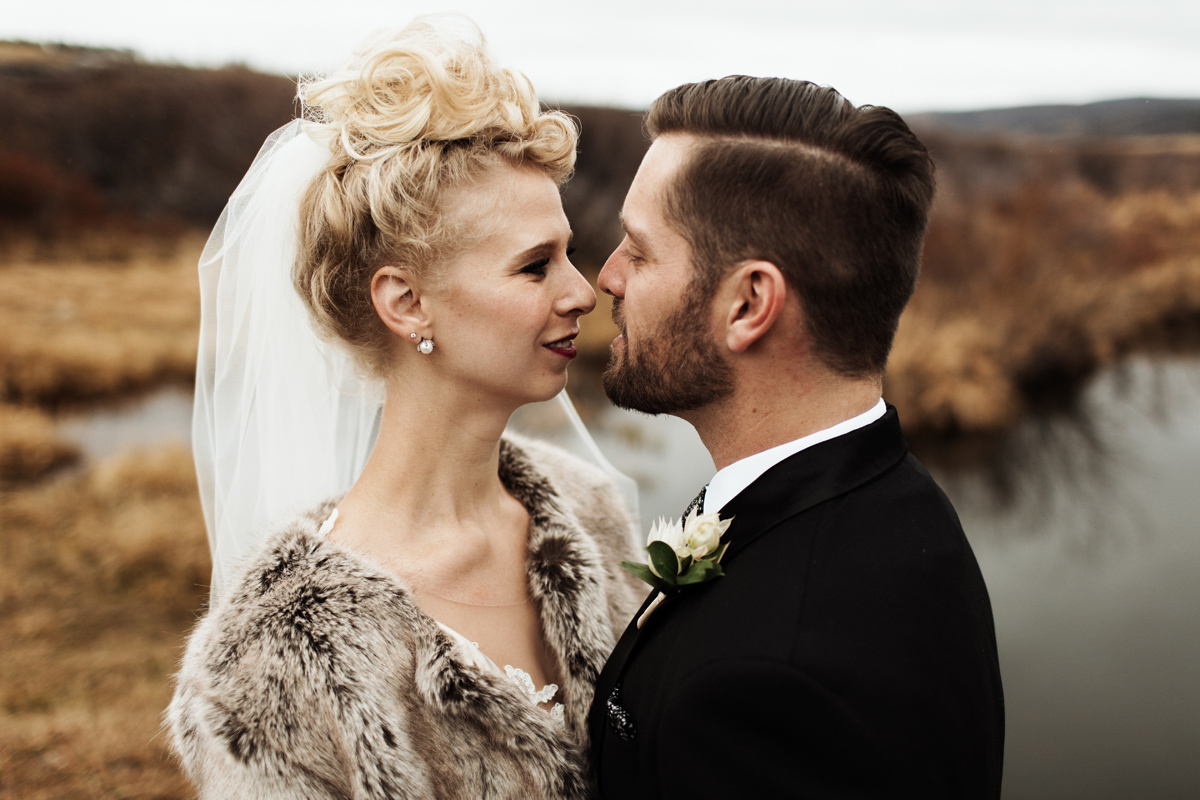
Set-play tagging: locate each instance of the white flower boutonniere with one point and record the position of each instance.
(683, 554)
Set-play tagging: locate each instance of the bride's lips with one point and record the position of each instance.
(563, 347)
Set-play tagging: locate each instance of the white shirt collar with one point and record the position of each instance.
(729, 482)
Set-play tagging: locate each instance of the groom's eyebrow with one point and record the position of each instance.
(638, 239)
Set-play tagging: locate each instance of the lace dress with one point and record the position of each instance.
(469, 653)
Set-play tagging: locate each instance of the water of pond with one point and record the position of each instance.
(1087, 529)
(1094, 573)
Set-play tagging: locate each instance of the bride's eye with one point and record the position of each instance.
(537, 268)
(570, 252)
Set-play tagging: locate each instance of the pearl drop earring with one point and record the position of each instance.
(425, 347)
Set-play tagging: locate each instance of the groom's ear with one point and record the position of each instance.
(397, 301)
(753, 297)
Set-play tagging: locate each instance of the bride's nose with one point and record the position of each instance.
(577, 296)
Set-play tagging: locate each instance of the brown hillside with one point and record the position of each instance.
(1046, 258)
(146, 139)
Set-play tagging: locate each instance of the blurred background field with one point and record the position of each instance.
(1061, 283)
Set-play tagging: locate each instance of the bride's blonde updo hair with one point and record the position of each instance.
(416, 114)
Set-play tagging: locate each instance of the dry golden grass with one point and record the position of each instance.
(100, 324)
(1034, 277)
(1057, 288)
(74, 328)
(29, 445)
(101, 574)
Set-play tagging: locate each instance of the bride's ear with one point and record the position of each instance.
(397, 301)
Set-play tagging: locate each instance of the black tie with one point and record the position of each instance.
(697, 503)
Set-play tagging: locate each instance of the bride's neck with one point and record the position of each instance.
(435, 462)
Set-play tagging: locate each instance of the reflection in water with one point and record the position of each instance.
(1093, 564)
(1028, 466)
(148, 421)
(1073, 471)
(1086, 529)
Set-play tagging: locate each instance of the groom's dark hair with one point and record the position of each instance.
(792, 173)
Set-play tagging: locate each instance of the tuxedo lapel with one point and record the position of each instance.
(812, 476)
(796, 484)
(611, 674)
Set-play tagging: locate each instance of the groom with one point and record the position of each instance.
(772, 238)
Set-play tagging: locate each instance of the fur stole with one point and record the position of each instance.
(317, 676)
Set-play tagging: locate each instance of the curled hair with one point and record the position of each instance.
(416, 114)
(836, 196)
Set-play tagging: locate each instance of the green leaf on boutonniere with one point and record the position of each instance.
(682, 553)
(663, 561)
(700, 572)
(643, 573)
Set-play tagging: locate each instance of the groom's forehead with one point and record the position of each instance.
(644, 213)
(662, 161)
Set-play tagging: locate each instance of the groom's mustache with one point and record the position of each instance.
(618, 314)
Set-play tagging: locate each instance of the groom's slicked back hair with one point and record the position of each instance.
(792, 173)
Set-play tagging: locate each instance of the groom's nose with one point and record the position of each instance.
(612, 275)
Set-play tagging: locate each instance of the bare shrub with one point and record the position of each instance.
(1035, 276)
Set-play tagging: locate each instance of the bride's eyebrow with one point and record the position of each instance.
(541, 250)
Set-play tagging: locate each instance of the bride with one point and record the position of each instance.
(435, 630)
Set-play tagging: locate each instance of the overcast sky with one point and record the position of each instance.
(913, 55)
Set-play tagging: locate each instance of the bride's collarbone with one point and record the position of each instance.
(482, 563)
(472, 572)
(474, 582)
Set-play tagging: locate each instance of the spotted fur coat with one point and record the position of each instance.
(317, 676)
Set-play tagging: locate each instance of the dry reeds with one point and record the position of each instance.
(1043, 264)
(100, 577)
(1035, 276)
(79, 329)
(29, 446)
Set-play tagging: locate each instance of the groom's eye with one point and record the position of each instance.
(537, 268)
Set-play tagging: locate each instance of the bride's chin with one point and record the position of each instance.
(551, 391)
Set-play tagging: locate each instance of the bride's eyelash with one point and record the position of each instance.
(537, 267)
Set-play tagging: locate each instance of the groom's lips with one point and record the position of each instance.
(618, 317)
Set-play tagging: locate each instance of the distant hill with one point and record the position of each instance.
(89, 136)
(1131, 117)
(89, 133)
(146, 139)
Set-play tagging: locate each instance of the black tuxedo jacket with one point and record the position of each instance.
(848, 651)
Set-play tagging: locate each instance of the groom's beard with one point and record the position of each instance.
(676, 368)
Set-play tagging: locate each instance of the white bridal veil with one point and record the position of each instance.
(282, 419)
